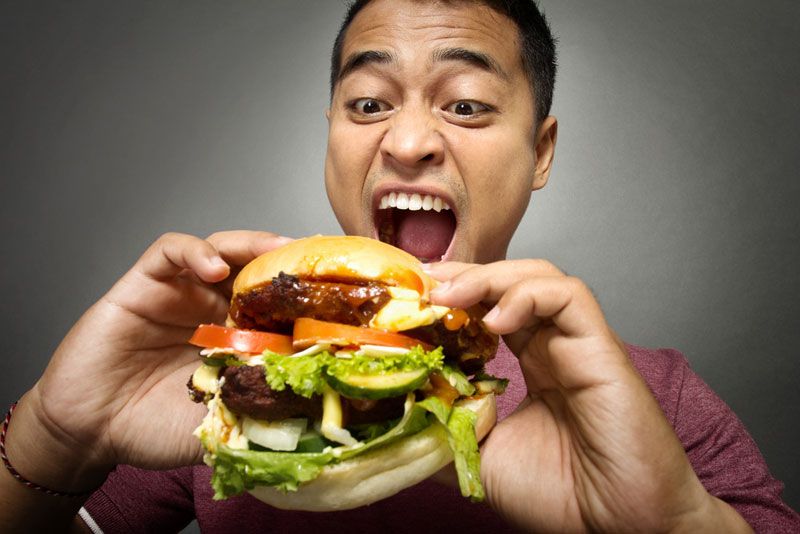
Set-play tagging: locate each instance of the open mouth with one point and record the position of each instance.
(423, 225)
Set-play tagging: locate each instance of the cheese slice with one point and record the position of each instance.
(406, 311)
(206, 378)
(331, 426)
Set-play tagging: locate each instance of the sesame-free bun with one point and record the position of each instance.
(380, 473)
(337, 257)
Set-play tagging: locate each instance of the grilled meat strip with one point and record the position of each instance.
(274, 307)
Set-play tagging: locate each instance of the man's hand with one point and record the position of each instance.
(589, 448)
(115, 390)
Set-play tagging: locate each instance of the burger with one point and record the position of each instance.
(336, 383)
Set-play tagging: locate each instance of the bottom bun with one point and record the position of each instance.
(381, 473)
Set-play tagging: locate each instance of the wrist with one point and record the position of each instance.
(714, 515)
(44, 455)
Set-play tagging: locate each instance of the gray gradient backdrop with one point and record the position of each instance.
(675, 191)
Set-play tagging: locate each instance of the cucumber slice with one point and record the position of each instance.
(494, 385)
(215, 361)
(379, 386)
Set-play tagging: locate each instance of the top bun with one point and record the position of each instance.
(337, 257)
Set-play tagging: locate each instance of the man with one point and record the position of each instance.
(432, 103)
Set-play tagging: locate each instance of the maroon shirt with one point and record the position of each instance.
(722, 453)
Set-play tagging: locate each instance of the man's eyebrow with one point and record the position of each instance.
(478, 59)
(358, 60)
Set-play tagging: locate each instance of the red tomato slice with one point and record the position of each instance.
(309, 332)
(213, 336)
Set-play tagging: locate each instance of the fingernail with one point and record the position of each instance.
(283, 240)
(426, 267)
(493, 314)
(217, 262)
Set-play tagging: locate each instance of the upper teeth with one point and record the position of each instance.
(413, 202)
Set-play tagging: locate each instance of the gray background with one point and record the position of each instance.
(674, 193)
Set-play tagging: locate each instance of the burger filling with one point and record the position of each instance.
(365, 365)
(274, 307)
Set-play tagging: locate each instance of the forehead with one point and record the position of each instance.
(406, 28)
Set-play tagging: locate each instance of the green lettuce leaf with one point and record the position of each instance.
(458, 380)
(460, 424)
(414, 420)
(236, 470)
(417, 358)
(461, 427)
(301, 373)
(369, 431)
(304, 374)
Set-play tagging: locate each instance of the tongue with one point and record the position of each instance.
(425, 234)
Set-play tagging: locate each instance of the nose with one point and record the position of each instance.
(412, 140)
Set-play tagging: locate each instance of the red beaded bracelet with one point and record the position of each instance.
(21, 478)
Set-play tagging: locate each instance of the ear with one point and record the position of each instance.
(328, 114)
(545, 151)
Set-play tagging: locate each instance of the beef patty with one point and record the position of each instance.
(470, 345)
(274, 307)
(245, 392)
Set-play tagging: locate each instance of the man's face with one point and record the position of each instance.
(432, 111)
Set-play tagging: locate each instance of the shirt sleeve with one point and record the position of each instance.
(727, 460)
(136, 500)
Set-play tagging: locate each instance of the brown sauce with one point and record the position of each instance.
(275, 305)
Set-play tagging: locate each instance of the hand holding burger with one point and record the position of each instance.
(589, 449)
(337, 383)
(102, 399)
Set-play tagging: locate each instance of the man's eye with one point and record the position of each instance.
(369, 106)
(467, 108)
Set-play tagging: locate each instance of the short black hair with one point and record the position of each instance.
(537, 43)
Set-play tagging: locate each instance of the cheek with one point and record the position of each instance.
(498, 172)
(347, 164)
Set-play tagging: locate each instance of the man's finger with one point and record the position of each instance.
(566, 301)
(239, 247)
(172, 253)
(489, 282)
(446, 270)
